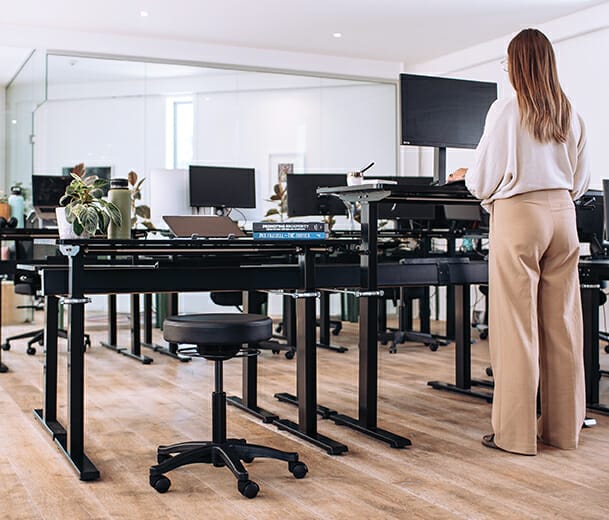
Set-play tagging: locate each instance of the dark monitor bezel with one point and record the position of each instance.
(247, 200)
(308, 203)
(408, 138)
(37, 179)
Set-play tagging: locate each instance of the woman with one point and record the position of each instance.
(530, 165)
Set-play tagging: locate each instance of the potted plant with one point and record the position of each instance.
(140, 213)
(86, 212)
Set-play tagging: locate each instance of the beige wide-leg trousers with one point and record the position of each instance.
(535, 321)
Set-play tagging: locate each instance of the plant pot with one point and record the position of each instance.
(5, 210)
(64, 228)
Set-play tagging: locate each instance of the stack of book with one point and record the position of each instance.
(290, 230)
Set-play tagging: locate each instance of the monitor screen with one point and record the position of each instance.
(444, 112)
(302, 194)
(589, 213)
(219, 186)
(48, 189)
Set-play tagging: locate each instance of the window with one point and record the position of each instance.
(180, 126)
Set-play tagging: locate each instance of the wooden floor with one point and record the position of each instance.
(132, 408)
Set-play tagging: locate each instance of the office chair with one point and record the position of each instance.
(218, 337)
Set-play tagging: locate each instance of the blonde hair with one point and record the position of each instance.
(544, 108)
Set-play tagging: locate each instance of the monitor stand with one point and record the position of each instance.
(439, 165)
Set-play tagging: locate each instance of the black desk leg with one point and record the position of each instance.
(3, 367)
(112, 326)
(48, 414)
(136, 344)
(368, 336)
(172, 350)
(306, 366)
(324, 324)
(73, 443)
(249, 400)
(463, 378)
(590, 294)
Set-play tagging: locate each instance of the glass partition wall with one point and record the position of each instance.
(157, 118)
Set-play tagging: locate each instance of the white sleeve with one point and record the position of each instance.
(492, 153)
(581, 177)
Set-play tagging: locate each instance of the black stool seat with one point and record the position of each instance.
(217, 329)
(219, 337)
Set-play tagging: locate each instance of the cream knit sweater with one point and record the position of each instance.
(510, 161)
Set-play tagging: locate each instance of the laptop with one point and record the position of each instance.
(204, 226)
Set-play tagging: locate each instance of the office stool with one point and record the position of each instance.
(218, 337)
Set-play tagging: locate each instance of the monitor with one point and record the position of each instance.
(444, 112)
(591, 219)
(222, 187)
(46, 192)
(304, 201)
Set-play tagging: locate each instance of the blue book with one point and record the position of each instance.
(290, 235)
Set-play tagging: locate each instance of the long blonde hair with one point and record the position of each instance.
(544, 108)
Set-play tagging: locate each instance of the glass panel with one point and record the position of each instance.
(147, 116)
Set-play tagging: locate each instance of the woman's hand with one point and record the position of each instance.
(457, 175)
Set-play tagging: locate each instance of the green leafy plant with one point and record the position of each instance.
(140, 213)
(280, 199)
(86, 210)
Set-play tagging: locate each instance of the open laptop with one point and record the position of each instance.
(204, 226)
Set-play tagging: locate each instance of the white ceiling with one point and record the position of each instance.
(409, 31)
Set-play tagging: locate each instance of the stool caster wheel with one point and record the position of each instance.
(279, 328)
(393, 349)
(247, 460)
(289, 354)
(160, 482)
(606, 348)
(162, 457)
(489, 371)
(275, 351)
(484, 334)
(248, 488)
(6, 346)
(30, 351)
(432, 346)
(336, 331)
(298, 469)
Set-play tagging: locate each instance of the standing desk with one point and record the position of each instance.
(369, 196)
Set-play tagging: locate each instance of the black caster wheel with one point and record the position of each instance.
(248, 488)
(279, 328)
(433, 347)
(275, 351)
(606, 348)
(484, 334)
(298, 469)
(6, 346)
(489, 371)
(289, 354)
(162, 457)
(384, 342)
(247, 460)
(335, 332)
(160, 482)
(30, 351)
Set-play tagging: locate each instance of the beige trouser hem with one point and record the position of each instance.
(535, 322)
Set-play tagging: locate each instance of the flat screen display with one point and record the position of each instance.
(219, 186)
(48, 189)
(444, 112)
(302, 194)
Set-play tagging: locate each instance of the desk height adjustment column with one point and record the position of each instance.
(368, 336)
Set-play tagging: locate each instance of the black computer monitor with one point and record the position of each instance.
(302, 194)
(222, 187)
(590, 216)
(444, 112)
